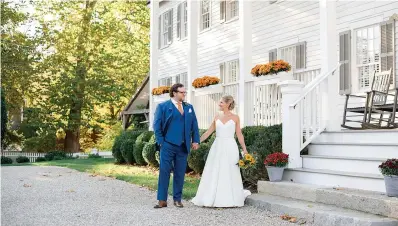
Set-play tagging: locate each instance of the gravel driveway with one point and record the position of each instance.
(59, 196)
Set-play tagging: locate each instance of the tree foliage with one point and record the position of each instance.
(95, 53)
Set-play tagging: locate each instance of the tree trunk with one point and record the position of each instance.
(72, 137)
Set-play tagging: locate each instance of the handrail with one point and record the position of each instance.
(314, 83)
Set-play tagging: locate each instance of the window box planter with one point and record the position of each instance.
(161, 98)
(218, 88)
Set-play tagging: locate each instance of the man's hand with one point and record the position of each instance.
(195, 146)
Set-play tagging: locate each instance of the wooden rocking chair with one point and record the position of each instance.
(375, 104)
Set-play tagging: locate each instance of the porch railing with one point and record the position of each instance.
(311, 105)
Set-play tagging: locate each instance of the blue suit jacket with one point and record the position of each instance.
(163, 115)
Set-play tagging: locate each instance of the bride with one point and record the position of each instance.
(221, 183)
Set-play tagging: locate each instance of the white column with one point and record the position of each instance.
(328, 42)
(193, 23)
(154, 53)
(291, 90)
(245, 53)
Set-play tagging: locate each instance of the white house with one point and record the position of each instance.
(333, 47)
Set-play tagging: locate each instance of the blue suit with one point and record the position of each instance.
(174, 134)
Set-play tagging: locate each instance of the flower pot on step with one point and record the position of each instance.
(391, 185)
(275, 173)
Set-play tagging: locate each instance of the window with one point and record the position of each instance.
(182, 20)
(272, 55)
(367, 53)
(229, 9)
(295, 55)
(205, 14)
(166, 81)
(166, 29)
(182, 78)
(373, 51)
(229, 72)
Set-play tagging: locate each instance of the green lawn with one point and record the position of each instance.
(142, 176)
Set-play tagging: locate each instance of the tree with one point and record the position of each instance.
(18, 52)
(3, 118)
(95, 55)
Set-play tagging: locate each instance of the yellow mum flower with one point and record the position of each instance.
(241, 163)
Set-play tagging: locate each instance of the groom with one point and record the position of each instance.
(174, 124)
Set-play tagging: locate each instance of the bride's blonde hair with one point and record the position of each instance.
(228, 99)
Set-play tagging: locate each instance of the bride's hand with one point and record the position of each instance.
(245, 152)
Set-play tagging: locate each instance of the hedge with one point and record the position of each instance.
(149, 153)
(261, 141)
(139, 145)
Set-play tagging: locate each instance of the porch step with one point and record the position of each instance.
(345, 164)
(386, 137)
(355, 149)
(332, 178)
(318, 214)
(354, 199)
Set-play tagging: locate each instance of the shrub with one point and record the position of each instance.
(197, 158)
(57, 157)
(41, 159)
(22, 159)
(52, 154)
(6, 160)
(389, 167)
(42, 143)
(157, 156)
(94, 156)
(149, 154)
(116, 149)
(127, 149)
(261, 141)
(140, 144)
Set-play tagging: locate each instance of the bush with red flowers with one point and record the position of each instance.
(389, 167)
(277, 159)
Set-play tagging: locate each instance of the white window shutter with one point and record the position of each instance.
(301, 55)
(345, 61)
(179, 21)
(222, 73)
(387, 48)
(160, 33)
(170, 30)
(272, 55)
(223, 10)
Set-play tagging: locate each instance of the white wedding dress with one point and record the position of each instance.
(221, 183)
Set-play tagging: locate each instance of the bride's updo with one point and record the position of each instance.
(228, 99)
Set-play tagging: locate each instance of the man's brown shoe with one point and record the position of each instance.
(161, 204)
(178, 204)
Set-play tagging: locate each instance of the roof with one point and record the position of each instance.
(137, 94)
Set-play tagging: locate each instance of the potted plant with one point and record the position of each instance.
(207, 85)
(160, 93)
(275, 164)
(389, 169)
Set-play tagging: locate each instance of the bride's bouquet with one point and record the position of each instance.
(247, 161)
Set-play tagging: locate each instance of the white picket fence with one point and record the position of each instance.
(263, 101)
(33, 156)
(14, 154)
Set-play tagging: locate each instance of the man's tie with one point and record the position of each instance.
(180, 108)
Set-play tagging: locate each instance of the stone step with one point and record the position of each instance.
(331, 178)
(347, 164)
(317, 214)
(354, 199)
